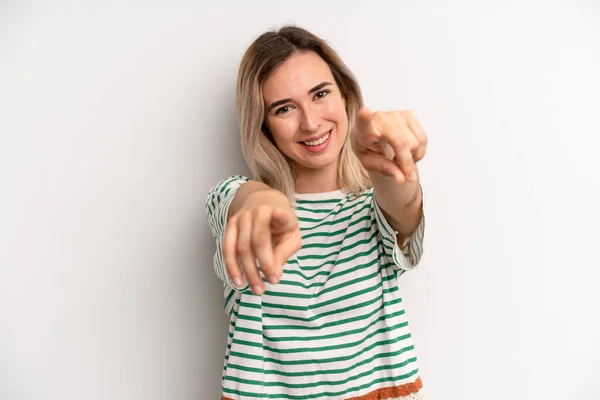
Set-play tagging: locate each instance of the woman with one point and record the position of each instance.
(310, 251)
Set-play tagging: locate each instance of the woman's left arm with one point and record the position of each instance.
(389, 144)
(402, 204)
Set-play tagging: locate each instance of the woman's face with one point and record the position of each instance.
(305, 112)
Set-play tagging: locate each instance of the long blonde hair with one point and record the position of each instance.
(264, 159)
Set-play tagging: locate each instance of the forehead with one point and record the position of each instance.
(296, 76)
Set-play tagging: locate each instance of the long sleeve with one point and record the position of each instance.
(405, 256)
(217, 207)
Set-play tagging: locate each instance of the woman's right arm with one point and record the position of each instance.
(260, 226)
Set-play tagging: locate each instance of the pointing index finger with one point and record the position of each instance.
(365, 125)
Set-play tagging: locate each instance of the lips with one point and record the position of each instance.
(314, 140)
(319, 143)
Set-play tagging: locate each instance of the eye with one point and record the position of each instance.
(321, 94)
(282, 110)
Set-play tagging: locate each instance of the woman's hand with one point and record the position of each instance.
(265, 229)
(390, 143)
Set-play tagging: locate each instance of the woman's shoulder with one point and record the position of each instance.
(229, 181)
(233, 178)
(224, 187)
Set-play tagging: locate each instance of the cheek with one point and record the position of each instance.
(282, 131)
(336, 112)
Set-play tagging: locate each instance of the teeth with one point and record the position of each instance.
(318, 141)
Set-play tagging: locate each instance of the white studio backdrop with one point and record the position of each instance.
(116, 119)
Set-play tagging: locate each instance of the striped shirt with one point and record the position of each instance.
(334, 327)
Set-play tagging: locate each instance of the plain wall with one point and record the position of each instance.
(116, 119)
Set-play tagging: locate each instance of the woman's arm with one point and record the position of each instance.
(401, 203)
(389, 144)
(263, 227)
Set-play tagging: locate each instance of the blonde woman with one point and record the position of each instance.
(310, 250)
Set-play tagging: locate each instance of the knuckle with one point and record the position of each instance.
(243, 246)
(266, 268)
(243, 217)
(243, 214)
(260, 239)
(251, 273)
(278, 269)
(401, 141)
(253, 280)
(377, 116)
(260, 210)
(231, 270)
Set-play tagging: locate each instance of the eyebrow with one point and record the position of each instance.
(315, 89)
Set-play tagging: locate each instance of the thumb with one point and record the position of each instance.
(286, 248)
(282, 221)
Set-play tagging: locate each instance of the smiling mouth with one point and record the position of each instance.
(319, 140)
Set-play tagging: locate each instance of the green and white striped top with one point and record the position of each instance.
(334, 327)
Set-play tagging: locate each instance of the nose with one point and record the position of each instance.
(311, 119)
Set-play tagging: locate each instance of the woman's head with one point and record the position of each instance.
(296, 101)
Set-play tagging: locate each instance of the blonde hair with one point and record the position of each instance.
(266, 162)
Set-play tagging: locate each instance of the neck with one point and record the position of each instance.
(317, 180)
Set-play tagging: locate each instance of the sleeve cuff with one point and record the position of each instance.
(407, 255)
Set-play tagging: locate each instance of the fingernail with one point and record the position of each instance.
(257, 289)
(237, 281)
(272, 279)
(413, 176)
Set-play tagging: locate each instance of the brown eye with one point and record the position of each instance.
(321, 94)
(282, 110)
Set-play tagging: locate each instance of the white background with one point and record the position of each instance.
(115, 120)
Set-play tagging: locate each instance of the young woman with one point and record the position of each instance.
(311, 249)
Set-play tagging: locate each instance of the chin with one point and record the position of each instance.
(320, 164)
